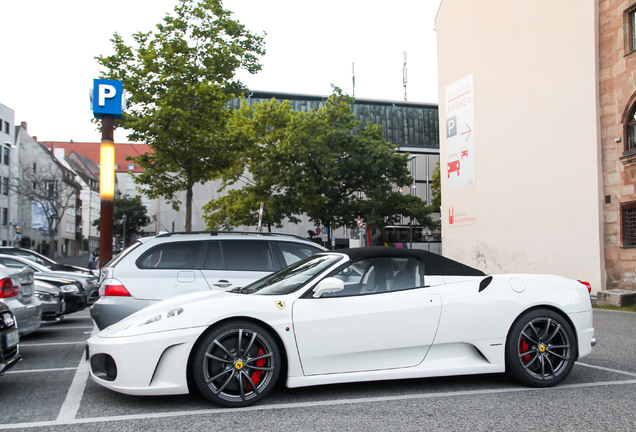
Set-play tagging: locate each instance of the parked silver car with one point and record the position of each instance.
(17, 291)
(90, 283)
(52, 300)
(43, 260)
(168, 265)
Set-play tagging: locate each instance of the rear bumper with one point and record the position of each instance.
(111, 309)
(8, 364)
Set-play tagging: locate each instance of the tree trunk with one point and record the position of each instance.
(188, 215)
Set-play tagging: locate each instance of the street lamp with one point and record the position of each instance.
(123, 218)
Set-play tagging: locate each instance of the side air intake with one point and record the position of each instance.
(484, 283)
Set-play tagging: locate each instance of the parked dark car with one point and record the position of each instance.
(74, 295)
(9, 338)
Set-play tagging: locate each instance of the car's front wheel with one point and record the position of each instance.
(541, 348)
(236, 364)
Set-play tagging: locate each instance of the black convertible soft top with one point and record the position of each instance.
(434, 264)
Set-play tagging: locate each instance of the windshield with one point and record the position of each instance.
(291, 278)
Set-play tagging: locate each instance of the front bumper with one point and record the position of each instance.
(150, 364)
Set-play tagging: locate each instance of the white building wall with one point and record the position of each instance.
(535, 203)
(8, 171)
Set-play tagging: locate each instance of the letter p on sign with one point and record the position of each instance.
(105, 91)
(107, 97)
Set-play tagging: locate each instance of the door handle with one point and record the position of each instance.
(223, 283)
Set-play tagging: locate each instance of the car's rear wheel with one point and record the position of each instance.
(236, 364)
(541, 348)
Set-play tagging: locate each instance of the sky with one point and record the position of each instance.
(48, 65)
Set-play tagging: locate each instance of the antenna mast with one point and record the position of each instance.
(404, 75)
(353, 78)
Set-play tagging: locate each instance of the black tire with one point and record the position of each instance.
(236, 364)
(541, 349)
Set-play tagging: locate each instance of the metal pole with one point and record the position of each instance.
(106, 216)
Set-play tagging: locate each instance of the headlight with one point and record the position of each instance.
(70, 288)
(43, 296)
(158, 317)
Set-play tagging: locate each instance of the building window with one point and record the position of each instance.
(5, 185)
(630, 132)
(50, 189)
(5, 155)
(5, 216)
(628, 216)
(7, 127)
(630, 30)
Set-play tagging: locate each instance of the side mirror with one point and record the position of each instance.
(328, 285)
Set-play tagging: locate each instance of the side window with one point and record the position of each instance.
(247, 255)
(213, 257)
(380, 275)
(33, 258)
(293, 252)
(11, 263)
(175, 255)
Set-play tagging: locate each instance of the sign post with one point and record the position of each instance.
(107, 98)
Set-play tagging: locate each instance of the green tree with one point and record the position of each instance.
(319, 163)
(179, 79)
(436, 188)
(135, 213)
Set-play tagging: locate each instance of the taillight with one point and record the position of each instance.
(9, 288)
(112, 287)
(588, 285)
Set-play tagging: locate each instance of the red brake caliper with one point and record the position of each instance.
(523, 347)
(257, 375)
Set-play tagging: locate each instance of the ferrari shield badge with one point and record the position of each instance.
(280, 304)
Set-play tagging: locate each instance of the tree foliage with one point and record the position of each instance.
(319, 163)
(179, 79)
(135, 212)
(436, 188)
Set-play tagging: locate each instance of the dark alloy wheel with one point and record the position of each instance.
(541, 349)
(236, 364)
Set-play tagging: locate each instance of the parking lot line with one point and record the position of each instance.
(607, 369)
(71, 404)
(30, 371)
(51, 344)
(300, 405)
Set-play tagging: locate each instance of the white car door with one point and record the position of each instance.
(364, 328)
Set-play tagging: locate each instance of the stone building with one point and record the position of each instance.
(617, 87)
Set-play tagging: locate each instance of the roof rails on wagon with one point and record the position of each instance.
(216, 233)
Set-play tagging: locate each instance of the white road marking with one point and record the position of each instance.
(30, 371)
(75, 392)
(302, 405)
(607, 369)
(27, 345)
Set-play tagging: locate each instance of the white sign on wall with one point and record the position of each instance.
(460, 134)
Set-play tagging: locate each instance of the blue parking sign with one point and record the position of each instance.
(107, 97)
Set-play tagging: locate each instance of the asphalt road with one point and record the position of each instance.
(50, 390)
